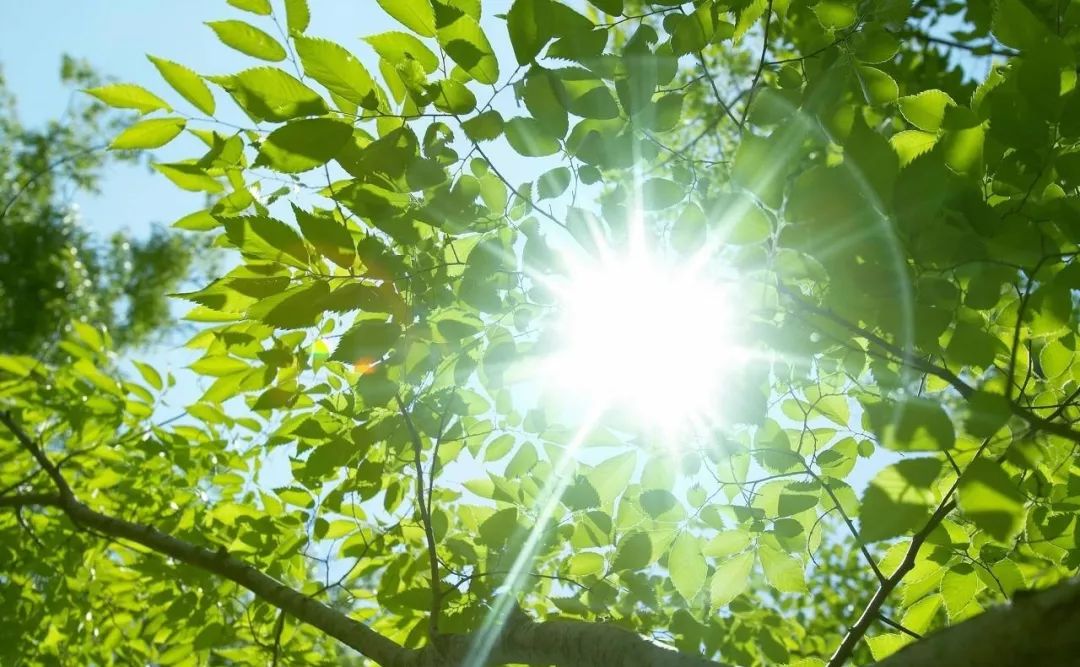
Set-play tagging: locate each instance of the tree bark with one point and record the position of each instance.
(1035, 629)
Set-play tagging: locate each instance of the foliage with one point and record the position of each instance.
(901, 226)
(52, 268)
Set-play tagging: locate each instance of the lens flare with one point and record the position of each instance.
(645, 336)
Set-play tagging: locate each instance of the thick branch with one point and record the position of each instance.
(1036, 629)
(565, 643)
(30, 499)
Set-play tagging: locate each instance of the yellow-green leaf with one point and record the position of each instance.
(687, 566)
(186, 82)
(416, 15)
(467, 45)
(129, 96)
(303, 144)
(731, 578)
(150, 133)
(335, 67)
(248, 39)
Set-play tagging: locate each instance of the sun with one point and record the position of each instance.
(654, 339)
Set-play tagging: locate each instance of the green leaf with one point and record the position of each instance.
(189, 177)
(331, 238)
(543, 95)
(874, 45)
(926, 110)
(731, 578)
(266, 93)
(301, 145)
(152, 377)
(920, 615)
(266, 238)
(248, 39)
(971, 345)
(878, 87)
(690, 230)
(783, 571)
(991, 500)
(484, 127)
(660, 193)
(528, 29)
(687, 566)
(915, 424)
(416, 15)
(151, 133)
(610, 477)
(885, 644)
(523, 461)
(467, 45)
(294, 308)
(527, 137)
(587, 96)
(355, 296)
(910, 144)
(498, 528)
(367, 341)
(958, 589)
(613, 7)
(129, 96)
(987, 412)
(400, 47)
(836, 14)
(261, 7)
(186, 82)
(297, 15)
(585, 563)
(898, 500)
(335, 67)
(499, 447)
(452, 97)
(1015, 25)
(727, 543)
(634, 552)
(658, 502)
(694, 32)
(553, 182)
(219, 365)
(742, 221)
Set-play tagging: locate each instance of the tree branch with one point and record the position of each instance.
(1036, 629)
(873, 608)
(566, 643)
(30, 499)
(760, 67)
(425, 518)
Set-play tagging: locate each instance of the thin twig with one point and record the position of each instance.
(760, 67)
(425, 517)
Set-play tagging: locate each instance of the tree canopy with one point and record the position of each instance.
(814, 405)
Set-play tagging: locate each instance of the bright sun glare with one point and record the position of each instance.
(646, 337)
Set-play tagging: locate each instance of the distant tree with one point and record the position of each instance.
(53, 267)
